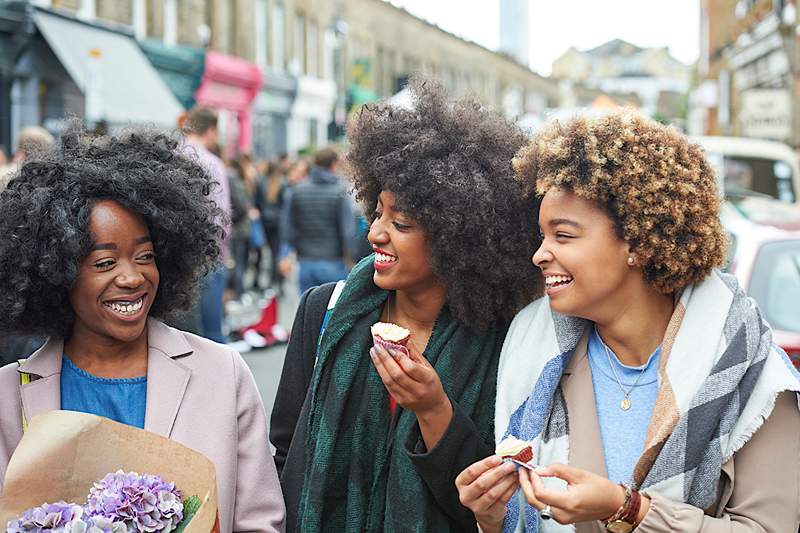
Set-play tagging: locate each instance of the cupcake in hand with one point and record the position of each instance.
(391, 337)
(516, 450)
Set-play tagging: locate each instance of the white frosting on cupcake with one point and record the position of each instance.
(511, 446)
(390, 332)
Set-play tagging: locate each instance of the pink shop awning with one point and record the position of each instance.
(231, 83)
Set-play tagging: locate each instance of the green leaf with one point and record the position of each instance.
(190, 507)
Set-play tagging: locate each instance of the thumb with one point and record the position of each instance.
(415, 356)
(568, 473)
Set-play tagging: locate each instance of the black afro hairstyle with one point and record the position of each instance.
(45, 216)
(449, 166)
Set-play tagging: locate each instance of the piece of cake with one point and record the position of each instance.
(515, 449)
(392, 336)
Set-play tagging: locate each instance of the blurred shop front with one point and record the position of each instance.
(230, 84)
(312, 111)
(71, 67)
(272, 110)
(181, 68)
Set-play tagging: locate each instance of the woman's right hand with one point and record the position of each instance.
(485, 488)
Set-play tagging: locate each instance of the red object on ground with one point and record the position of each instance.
(267, 326)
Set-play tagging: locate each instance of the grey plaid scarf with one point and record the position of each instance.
(719, 376)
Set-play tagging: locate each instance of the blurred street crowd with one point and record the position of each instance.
(283, 215)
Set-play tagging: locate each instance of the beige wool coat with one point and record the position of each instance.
(199, 393)
(759, 487)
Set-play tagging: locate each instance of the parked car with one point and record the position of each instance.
(764, 255)
(767, 167)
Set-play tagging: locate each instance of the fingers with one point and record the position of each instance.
(488, 488)
(388, 368)
(527, 489)
(543, 495)
(418, 371)
(473, 471)
(415, 355)
(568, 473)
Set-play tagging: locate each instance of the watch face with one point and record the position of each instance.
(618, 526)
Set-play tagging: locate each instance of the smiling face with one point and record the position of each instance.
(584, 261)
(402, 256)
(118, 279)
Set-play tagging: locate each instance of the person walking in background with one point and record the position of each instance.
(241, 206)
(200, 127)
(32, 139)
(297, 172)
(318, 224)
(270, 198)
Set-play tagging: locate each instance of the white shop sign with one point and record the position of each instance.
(766, 114)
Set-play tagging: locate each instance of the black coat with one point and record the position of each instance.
(459, 447)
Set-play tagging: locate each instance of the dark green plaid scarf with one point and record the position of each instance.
(358, 476)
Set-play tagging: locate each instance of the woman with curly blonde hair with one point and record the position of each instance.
(646, 382)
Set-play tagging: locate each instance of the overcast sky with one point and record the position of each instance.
(558, 24)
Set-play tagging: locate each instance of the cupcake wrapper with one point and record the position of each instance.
(524, 456)
(398, 348)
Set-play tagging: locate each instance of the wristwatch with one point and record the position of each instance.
(624, 520)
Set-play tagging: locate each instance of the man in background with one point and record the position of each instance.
(200, 128)
(318, 225)
(31, 139)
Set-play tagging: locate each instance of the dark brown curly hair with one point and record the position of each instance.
(655, 184)
(45, 224)
(449, 167)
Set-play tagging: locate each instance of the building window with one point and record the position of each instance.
(299, 49)
(278, 38)
(260, 14)
(139, 17)
(88, 9)
(312, 44)
(170, 22)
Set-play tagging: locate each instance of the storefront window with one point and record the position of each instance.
(278, 36)
(299, 52)
(312, 43)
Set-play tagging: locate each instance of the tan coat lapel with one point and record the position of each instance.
(167, 378)
(585, 446)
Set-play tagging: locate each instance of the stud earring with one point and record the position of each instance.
(630, 260)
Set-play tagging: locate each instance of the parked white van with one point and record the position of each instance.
(754, 166)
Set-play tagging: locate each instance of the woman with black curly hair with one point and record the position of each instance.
(645, 381)
(102, 239)
(378, 438)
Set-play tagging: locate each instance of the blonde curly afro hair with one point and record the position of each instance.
(655, 184)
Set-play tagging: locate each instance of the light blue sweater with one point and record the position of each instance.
(622, 432)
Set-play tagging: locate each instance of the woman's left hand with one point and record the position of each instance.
(588, 496)
(412, 381)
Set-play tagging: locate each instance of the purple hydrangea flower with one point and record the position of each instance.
(144, 503)
(51, 517)
(98, 524)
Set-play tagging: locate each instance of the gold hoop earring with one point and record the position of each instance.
(630, 260)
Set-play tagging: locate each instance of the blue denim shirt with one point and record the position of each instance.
(121, 400)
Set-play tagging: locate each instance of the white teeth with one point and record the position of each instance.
(554, 280)
(126, 308)
(383, 258)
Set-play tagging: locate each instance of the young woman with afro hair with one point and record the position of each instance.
(102, 239)
(370, 440)
(646, 380)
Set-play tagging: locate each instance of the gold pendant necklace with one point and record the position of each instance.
(625, 404)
